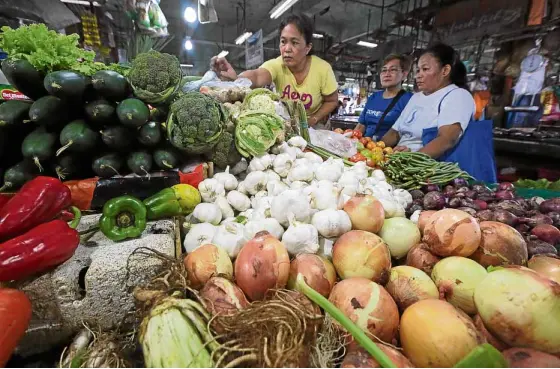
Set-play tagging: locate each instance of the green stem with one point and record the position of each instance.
(77, 217)
(339, 316)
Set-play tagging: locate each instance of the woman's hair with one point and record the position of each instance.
(447, 55)
(303, 23)
(404, 61)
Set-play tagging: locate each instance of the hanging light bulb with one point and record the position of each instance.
(190, 14)
(188, 44)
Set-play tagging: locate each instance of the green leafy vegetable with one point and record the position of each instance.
(50, 51)
(195, 123)
(260, 99)
(256, 132)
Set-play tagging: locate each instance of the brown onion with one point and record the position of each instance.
(408, 285)
(546, 265)
(434, 334)
(452, 232)
(420, 257)
(366, 213)
(490, 338)
(362, 254)
(223, 297)
(368, 305)
(423, 219)
(205, 262)
(518, 357)
(357, 357)
(500, 245)
(317, 271)
(262, 264)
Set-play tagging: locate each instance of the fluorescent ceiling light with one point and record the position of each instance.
(241, 39)
(350, 79)
(188, 45)
(81, 2)
(187, 65)
(279, 9)
(318, 35)
(367, 44)
(223, 54)
(189, 14)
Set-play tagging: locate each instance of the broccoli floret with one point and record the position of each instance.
(196, 123)
(155, 72)
(225, 153)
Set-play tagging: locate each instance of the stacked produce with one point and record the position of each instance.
(373, 153)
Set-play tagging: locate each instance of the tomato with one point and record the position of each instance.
(15, 314)
(348, 130)
(339, 130)
(356, 158)
(357, 133)
(364, 140)
(371, 163)
(371, 145)
(369, 139)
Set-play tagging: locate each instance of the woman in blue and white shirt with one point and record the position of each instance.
(443, 104)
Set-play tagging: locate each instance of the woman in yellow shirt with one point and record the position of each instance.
(296, 73)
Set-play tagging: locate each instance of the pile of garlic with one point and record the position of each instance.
(294, 195)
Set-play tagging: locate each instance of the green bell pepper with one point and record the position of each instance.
(177, 200)
(123, 217)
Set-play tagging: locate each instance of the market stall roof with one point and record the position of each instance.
(51, 12)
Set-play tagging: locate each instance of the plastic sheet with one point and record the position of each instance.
(334, 142)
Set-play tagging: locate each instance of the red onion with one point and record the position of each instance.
(550, 205)
(538, 247)
(485, 215)
(547, 233)
(434, 201)
(486, 196)
(467, 210)
(535, 220)
(518, 357)
(505, 195)
(454, 202)
(430, 188)
(416, 194)
(555, 218)
(479, 188)
(464, 189)
(471, 194)
(536, 202)
(482, 205)
(522, 228)
(469, 203)
(506, 186)
(504, 216)
(459, 182)
(449, 191)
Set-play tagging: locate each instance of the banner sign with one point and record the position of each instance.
(254, 52)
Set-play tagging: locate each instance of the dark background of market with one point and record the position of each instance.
(493, 38)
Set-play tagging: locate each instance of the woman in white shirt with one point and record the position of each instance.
(443, 103)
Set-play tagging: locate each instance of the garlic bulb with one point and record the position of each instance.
(238, 201)
(225, 207)
(210, 189)
(255, 182)
(208, 213)
(228, 180)
(332, 223)
(261, 163)
(282, 164)
(300, 237)
(199, 234)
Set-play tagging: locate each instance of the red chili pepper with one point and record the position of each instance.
(39, 200)
(45, 246)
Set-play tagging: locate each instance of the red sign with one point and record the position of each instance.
(11, 94)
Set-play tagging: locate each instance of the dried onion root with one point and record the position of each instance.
(329, 349)
(277, 332)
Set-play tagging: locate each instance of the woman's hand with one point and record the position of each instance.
(401, 149)
(223, 69)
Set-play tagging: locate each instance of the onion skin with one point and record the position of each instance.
(546, 265)
(435, 334)
(420, 257)
(423, 219)
(521, 307)
(362, 254)
(317, 271)
(408, 285)
(262, 264)
(500, 245)
(357, 357)
(366, 213)
(479, 324)
(368, 305)
(207, 261)
(518, 357)
(452, 232)
(399, 234)
(222, 297)
(456, 278)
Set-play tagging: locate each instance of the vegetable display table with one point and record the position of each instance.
(527, 147)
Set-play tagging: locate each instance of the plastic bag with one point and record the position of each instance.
(150, 18)
(211, 85)
(334, 142)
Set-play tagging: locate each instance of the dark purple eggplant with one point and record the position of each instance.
(416, 194)
(434, 201)
(470, 211)
(459, 182)
(485, 215)
(550, 205)
(506, 186)
(454, 202)
(430, 188)
(506, 217)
